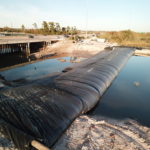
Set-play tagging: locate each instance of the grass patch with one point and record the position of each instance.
(128, 38)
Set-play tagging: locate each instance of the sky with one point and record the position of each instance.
(103, 15)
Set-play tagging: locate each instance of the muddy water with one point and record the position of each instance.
(129, 94)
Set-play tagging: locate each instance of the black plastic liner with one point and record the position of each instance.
(43, 111)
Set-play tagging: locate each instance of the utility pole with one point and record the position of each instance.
(87, 19)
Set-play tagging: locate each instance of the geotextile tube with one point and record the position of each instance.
(43, 111)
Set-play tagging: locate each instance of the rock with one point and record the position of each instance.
(137, 84)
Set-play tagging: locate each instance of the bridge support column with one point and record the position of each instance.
(27, 50)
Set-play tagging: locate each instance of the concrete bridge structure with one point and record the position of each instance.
(25, 45)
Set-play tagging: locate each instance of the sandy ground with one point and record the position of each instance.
(99, 133)
(89, 133)
(143, 52)
(86, 48)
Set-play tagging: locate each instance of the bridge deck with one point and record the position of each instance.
(25, 39)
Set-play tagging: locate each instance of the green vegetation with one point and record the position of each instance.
(128, 38)
(48, 28)
(23, 28)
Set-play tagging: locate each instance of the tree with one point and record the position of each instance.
(22, 27)
(52, 27)
(35, 25)
(58, 28)
(45, 27)
(74, 30)
(63, 30)
(68, 30)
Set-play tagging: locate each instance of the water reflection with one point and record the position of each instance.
(129, 95)
(39, 69)
(72, 59)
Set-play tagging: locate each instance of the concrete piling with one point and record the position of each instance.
(25, 48)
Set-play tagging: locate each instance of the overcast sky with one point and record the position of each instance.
(95, 14)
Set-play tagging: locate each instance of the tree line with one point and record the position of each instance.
(48, 28)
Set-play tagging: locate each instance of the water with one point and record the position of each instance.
(129, 94)
(39, 69)
(12, 59)
(127, 97)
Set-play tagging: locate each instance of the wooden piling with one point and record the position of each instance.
(39, 146)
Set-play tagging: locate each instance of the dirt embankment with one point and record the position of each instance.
(86, 48)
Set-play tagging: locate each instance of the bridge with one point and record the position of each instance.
(25, 44)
